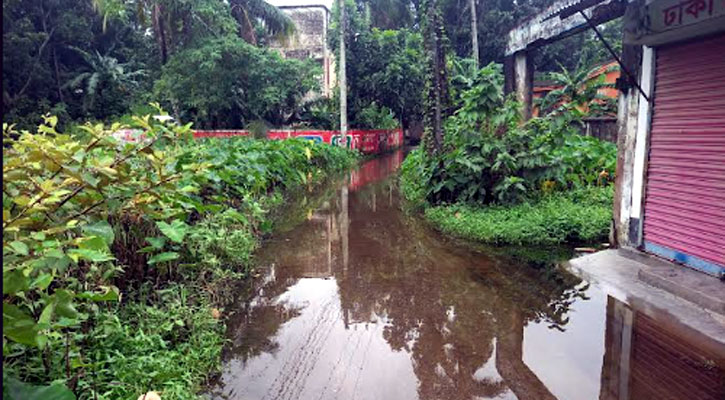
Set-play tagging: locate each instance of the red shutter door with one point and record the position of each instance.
(684, 211)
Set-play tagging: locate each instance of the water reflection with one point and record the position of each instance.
(362, 302)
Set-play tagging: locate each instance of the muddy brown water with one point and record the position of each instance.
(361, 301)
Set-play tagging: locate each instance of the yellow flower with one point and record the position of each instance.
(308, 152)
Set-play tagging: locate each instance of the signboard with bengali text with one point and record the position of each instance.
(665, 21)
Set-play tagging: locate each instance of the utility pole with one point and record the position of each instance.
(343, 75)
(474, 33)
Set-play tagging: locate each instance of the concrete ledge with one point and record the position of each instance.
(658, 288)
(699, 288)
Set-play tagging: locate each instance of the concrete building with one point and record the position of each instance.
(670, 187)
(312, 19)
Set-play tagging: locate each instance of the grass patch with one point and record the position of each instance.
(569, 217)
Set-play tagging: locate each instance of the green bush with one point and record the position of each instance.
(226, 82)
(374, 117)
(414, 176)
(578, 216)
(114, 253)
(490, 157)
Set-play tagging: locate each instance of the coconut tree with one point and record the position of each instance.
(273, 20)
(177, 23)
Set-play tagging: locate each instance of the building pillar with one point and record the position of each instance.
(641, 148)
(626, 233)
(519, 78)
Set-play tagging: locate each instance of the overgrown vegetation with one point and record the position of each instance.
(387, 74)
(116, 254)
(99, 59)
(504, 174)
(578, 216)
(579, 92)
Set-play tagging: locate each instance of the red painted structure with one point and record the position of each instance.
(684, 212)
(370, 141)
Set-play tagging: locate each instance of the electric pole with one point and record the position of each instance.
(474, 33)
(343, 75)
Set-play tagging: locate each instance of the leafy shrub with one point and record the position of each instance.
(575, 216)
(374, 117)
(489, 156)
(88, 221)
(319, 113)
(414, 176)
(234, 82)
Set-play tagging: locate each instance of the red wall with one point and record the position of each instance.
(367, 141)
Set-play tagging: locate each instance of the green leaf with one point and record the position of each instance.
(14, 281)
(90, 255)
(19, 326)
(94, 243)
(19, 247)
(107, 294)
(47, 314)
(156, 242)
(64, 304)
(174, 231)
(42, 281)
(163, 257)
(90, 179)
(14, 389)
(101, 229)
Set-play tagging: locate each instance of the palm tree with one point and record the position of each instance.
(164, 14)
(578, 90)
(274, 21)
(102, 72)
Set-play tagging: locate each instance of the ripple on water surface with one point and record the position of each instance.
(362, 302)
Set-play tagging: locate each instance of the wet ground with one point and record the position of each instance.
(360, 301)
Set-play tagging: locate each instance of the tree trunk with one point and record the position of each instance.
(343, 74)
(57, 76)
(474, 33)
(158, 23)
(437, 92)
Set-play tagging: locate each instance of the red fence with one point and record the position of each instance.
(367, 141)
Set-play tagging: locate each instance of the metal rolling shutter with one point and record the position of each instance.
(684, 210)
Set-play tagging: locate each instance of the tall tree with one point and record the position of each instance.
(437, 98)
(388, 70)
(249, 13)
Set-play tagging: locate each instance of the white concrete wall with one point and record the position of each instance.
(643, 129)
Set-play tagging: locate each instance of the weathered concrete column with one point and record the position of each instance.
(523, 80)
(625, 233)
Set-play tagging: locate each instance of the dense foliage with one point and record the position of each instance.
(579, 91)
(229, 83)
(101, 59)
(115, 253)
(388, 67)
(578, 216)
(495, 20)
(490, 158)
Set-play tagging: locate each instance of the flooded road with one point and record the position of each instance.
(360, 301)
